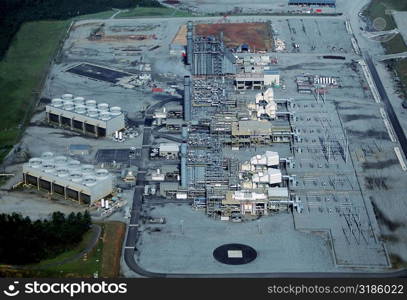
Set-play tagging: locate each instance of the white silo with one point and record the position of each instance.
(67, 96)
(57, 102)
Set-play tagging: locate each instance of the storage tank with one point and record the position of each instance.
(74, 165)
(57, 102)
(62, 172)
(79, 100)
(75, 176)
(48, 167)
(103, 106)
(87, 169)
(67, 96)
(68, 105)
(80, 109)
(101, 174)
(90, 103)
(47, 155)
(89, 181)
(60, 161)
(115, 111)
(35, 162)
(104, 116)
(93, 112)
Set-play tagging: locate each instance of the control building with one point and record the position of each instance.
(68, 178)
(87, 117)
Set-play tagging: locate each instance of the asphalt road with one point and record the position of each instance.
(388, 107)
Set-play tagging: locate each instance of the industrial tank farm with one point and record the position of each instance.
(262, 136)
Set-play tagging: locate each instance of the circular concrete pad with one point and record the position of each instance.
(234, 254)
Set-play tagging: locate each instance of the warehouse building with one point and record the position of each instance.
(330, 3)
(60, 175)
(87, 117)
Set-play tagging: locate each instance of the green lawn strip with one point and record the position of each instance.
(21, 74)
(153, 12)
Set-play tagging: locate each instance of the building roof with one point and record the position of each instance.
(169, 147)
(271, 72)
(251, 127)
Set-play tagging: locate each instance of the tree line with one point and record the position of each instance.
(15, 12)
(23, 241)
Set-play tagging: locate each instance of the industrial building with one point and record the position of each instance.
(87, 117)
(68, 178)
(330, 3)
(257, 81)
(208, 55)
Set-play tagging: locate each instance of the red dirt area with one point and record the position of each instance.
(256, 35)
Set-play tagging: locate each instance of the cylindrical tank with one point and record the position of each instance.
(104, 116)
(89, 181)
(93, 112)
(80, 100)
(90, 103)
(35, 162)
(69, 105)
(67, 96)
(101, 174)
(80, 109)
(62, 172)
(88, 169)
(103, 106)
(57, 102)
(75, 176)
(47, 155)
(115, 111)
(60, 160)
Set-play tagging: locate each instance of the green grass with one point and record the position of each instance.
(100, 15)
(21, 73)
(76, 268)
(153, 12)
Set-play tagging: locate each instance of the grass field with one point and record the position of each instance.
(21, 73)
(104, 258)
(382, 9)
(113, 239)
(152, 12)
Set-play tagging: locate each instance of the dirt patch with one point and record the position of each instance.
(112, 248)
(256, 35)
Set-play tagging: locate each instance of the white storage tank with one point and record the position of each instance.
(47, 155)
(35, 162)
(89, 181)
(103, 106)
(115, 111)
(79, 101)
(48, 167)
(69, 105)
(90, 103)
(104, 116)
(80, 109)
(57, 102)
(101, 174)
(62, 172)
(67, 96)
(60, 161)
(88, 169)
(93, 112)
(75, 176)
